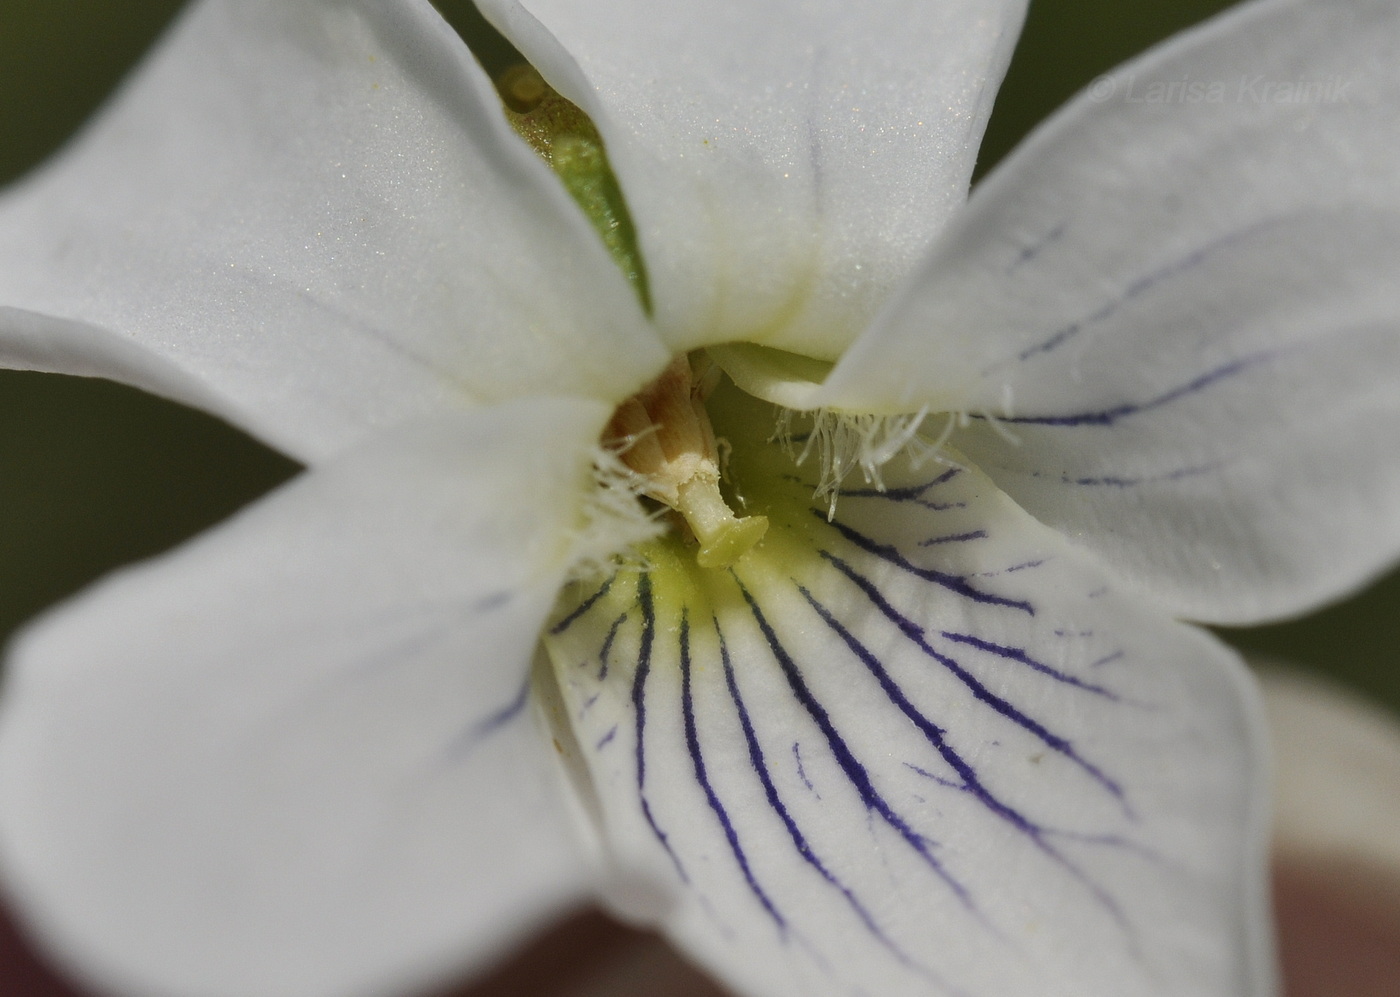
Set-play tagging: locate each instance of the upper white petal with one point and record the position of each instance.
(295, 758)
(787, 162)
(311, 217)
(1183, 309)
(928, 748)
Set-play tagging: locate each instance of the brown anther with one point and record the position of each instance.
(663, 433)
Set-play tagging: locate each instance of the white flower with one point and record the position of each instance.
(950, 741)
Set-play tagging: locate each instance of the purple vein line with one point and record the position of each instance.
(1020, 656)
(1109, 416)
(697, 758)
(952, 583)
(775, 803)
(1142, 284)
(972, 783)
(1037, 833)
(915, 634)
(855, 772)
(582, 607)
(639, 707)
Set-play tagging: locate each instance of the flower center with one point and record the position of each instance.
(663, 433)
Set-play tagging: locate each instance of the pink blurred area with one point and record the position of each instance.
(1338, 922)
(589, 955)
(1339, 927)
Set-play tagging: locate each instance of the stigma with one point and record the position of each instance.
(663, 433)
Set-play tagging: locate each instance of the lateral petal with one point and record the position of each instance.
(298, 756)
(311, 217)
(1182, 312)
(925, 747)
(785, 163)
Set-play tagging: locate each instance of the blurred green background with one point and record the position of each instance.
(93, 475)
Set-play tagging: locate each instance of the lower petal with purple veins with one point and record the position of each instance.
(865, 763)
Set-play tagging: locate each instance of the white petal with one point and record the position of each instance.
(311, 217)
(785, 162)
(297, 757)
(1187, 309)
(927, 748)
